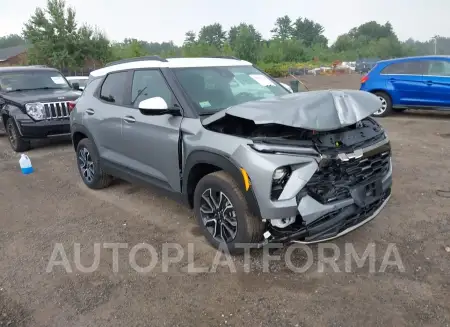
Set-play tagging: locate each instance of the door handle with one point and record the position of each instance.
(429, 82)
(129, 119)
(90, 111)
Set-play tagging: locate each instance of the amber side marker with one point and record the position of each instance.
(246, 179)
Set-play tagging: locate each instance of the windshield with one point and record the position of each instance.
(215, 88)
(32, 80)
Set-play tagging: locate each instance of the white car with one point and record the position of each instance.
(81, 80)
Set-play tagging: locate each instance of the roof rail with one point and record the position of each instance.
(144, 58)
(225, 57)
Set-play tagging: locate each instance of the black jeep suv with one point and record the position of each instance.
(35, 103)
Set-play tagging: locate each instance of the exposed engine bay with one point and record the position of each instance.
(344, 139)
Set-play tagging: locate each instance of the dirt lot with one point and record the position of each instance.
(53, 206)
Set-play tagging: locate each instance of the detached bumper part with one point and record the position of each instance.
(332, 225)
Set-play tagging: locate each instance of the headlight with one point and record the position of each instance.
(279, 173)
(35, 110)
(279, 179)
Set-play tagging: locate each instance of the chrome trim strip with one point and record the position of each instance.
(63, 110)
(357, 153)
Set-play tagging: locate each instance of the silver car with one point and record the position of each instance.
(289, 167)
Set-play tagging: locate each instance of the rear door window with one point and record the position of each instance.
(113, 88)
(404, 68)
(437, 68)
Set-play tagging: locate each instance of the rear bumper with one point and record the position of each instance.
(30, 129)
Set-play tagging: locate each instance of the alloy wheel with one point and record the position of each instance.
(218, 215)
(86, 165)
(383, 106)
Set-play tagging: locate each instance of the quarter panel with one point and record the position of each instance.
(105, 125)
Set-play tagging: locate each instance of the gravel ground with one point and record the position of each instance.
(52, 206)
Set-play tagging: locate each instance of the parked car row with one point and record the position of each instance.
(363, 66)
(257, 162)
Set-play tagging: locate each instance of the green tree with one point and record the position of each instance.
(283, 28)
(247, 43)
(57, 41)
(212, 35)
(200, 49)
(309, 32)
(372, 31)
(129, 48)
(243, 28)
(190, 38)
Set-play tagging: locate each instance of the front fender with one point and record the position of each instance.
(13, 112)
(225, 163)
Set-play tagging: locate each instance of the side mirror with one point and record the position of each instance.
(287, 87)
(76, 86)
(156, 106)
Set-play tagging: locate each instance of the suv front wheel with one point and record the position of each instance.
(16, 141)
(222, 213)
(88, 163)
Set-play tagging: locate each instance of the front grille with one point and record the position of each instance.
(333, 179)
(56, 110)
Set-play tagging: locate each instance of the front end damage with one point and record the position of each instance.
(345, 192)
(318, 179)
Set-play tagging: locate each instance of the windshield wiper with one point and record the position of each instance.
(38, 88)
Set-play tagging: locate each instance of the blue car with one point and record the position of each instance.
(410, 83)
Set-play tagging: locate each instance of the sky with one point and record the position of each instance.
(158, 20)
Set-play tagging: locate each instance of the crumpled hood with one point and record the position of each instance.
(315, 110)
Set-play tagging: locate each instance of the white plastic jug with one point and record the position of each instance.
(25, 164)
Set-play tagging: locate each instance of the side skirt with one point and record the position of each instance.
(134, 177)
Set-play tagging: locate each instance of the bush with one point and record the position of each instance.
(282, 69)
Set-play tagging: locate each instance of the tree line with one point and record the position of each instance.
(56, 39)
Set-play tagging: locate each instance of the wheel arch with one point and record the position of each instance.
(382, 91)
(201, 163)
(11, 111)
(79, 132)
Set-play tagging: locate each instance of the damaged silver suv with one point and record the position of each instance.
(256, 162)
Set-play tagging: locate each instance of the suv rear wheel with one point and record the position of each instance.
(222, 213)
(386, 105)
(18, 144)
(88, 163)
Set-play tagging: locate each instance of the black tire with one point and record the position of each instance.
(2, 127)
(18, 144)
(250, 228)
(94, 178)
(388, 105)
